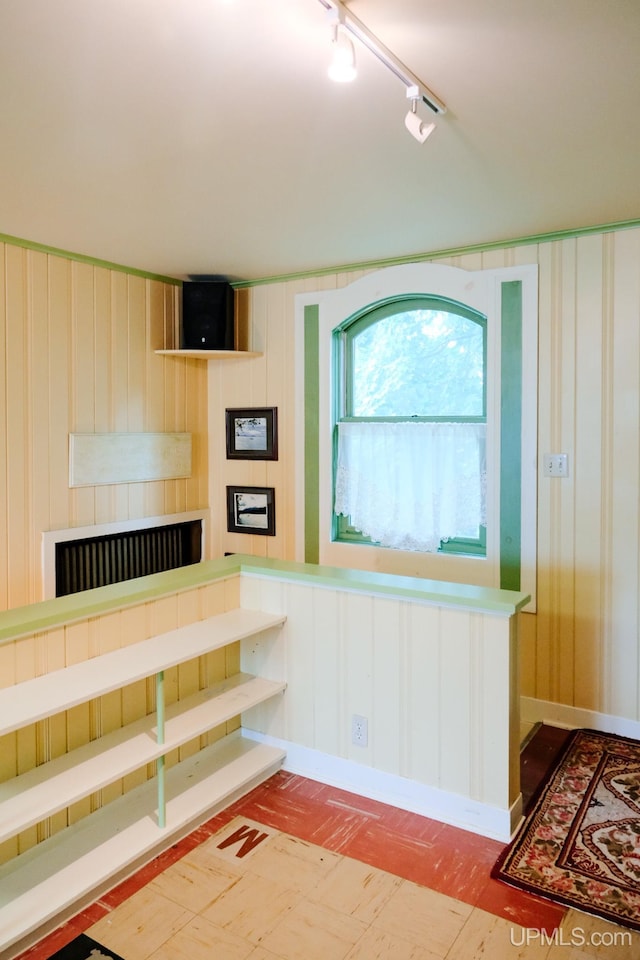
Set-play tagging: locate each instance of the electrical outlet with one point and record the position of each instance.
(556, 465)
(359, 731)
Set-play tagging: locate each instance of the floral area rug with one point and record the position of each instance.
(580, 844)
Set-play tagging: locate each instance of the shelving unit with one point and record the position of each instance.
(57, 876)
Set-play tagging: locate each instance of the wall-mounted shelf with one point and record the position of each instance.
(211, 354)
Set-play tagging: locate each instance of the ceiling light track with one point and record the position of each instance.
(353, 25)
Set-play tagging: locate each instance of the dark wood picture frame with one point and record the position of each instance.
(252, 433)
(251, 510)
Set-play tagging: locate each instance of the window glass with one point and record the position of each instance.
(410, 464)
(417, 363)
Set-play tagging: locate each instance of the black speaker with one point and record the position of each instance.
(207, 315)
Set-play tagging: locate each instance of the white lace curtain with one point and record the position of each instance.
(411, 485)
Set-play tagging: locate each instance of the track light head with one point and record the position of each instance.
(342, 68)
(417, 128)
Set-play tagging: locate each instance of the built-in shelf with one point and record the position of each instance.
(211, 354)
(54, 879)
(42, 884)
(53, 786)
(59, 690)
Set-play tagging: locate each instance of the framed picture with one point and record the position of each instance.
(252, 433)
(251, 510)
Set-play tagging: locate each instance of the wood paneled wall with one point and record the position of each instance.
(76, 355)
(582, 646)
(266, 381)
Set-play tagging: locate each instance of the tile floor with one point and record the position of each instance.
(298, 870)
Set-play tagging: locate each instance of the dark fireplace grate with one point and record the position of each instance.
(98, 561)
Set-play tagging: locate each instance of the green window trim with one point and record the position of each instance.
(510, 435)
(311, 435)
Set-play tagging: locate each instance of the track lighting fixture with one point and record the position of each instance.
(346, 25)
(416, 127)
(342, 68)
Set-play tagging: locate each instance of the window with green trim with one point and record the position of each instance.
(410, 413)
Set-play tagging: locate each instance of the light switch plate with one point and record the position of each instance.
(556, 465)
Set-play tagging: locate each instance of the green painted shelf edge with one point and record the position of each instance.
(48, 614)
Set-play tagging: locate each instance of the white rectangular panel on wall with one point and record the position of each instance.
(99, 458)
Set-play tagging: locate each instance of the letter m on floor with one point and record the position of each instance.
(248, 836)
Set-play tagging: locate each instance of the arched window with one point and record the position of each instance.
(410, 426)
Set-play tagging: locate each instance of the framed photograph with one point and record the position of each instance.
(252, 433)
(251, 510)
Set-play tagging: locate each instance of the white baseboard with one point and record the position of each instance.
(561, 715)
(450, 808)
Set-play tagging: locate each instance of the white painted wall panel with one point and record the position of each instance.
(421, 726)
(496, 717)
(326, 667)
(357, 669)
(103, 458)
(388, 676)
(455, 721)
(433, 683)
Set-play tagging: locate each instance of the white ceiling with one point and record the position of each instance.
(197, 137)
